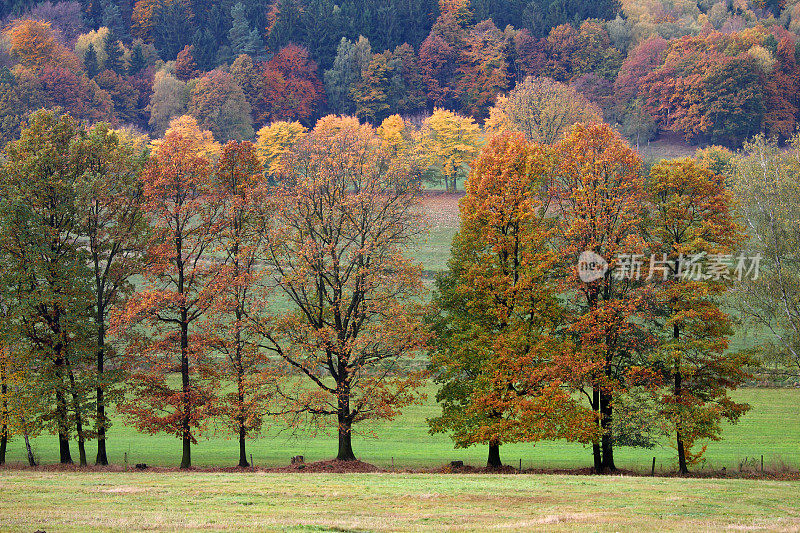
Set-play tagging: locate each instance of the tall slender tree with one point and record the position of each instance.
(39, 235)
(109, 197)
(599, 199)
(244, 223)
(179, 203)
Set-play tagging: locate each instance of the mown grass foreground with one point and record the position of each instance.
(52, 502)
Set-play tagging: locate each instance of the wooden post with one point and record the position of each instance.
(762, 463)
(252, 465)
(653, 468)
(520, 465)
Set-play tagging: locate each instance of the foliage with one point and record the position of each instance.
(274, 142)
(542, 109)
(161, 319)
(693, 217)
(450, 141)
(219, 104)
(766, 187)
(503, 367)
(343, 213)
(597, 185)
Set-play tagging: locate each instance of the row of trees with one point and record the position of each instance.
(714, 84)
(527, 349)
(285, 292)
(252, 299)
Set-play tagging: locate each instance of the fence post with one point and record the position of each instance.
(653, 468)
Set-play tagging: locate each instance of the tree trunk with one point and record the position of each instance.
(31, 458)
(3, 443)
(242, 451)
(494, 455)
(186, 459)
(682, 467)
(345, 425)
(102, 457)
(78, 408)
(608, 437)
(596, 450)
(4, 414)
(240, 379)
(65, 457)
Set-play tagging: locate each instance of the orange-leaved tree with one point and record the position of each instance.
(505, 369)
(244, 222)
(179, 288)
(692, 232)
(345, 210)
(599, 199)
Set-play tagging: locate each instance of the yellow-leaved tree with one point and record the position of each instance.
(274, 141)
(451, 142)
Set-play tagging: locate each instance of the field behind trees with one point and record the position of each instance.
(772, 428)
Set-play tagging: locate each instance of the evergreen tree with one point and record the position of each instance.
(138, 61)
(113, 52)
(243, 40)
(90, 61)
(351, 60)
(113, 20)
(205, 48)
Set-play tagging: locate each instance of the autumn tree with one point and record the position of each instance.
(766, 189)
(34, 45)
(109, 195)
(168, 100)
(219, 104)
(162, 317)
(274, 142)
(485, 72)
(692, 226)
(244, 223)
(596, 184)
(344, 211)
(451, 142)
(40, 232)
(503, 366)
(290, 88)
(542, 109)
(185, 64)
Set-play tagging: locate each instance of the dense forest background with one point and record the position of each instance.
(713, 72)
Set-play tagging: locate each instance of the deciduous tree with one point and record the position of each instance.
(692, 224)
(109, 196)
(451, 142)
(179, 287)
(599, 194)
(505, 370)
(344, 212)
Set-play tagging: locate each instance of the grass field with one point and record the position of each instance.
(390, 502)
(772, 428)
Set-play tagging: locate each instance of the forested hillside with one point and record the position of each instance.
(713, 72)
